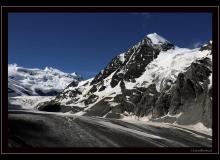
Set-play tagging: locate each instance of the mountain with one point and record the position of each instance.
(37, 82)
(153, 79)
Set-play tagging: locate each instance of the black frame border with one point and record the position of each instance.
(50, 9)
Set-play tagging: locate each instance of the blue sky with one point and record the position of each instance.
(86, 42)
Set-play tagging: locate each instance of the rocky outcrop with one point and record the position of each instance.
(191, 95)
(53, 106)
(109, 69)
(138, 58)
(207, 46)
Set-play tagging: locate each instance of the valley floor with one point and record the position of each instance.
(29, 128)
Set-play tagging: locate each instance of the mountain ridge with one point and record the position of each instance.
(34, 81)
(151, 78)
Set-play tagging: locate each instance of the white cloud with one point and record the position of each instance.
(197, 44)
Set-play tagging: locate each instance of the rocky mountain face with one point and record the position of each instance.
(191, 95)
(154, 78)
(130, 65)
(37, 82)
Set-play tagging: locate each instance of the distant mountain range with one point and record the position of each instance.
(38, 82)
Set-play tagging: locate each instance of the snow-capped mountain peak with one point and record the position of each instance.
(35, 81)
(59, 72)
(156, 39)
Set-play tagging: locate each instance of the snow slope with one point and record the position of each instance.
(167, 66)
(28, 102)
(156, 39)
(49, 81)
